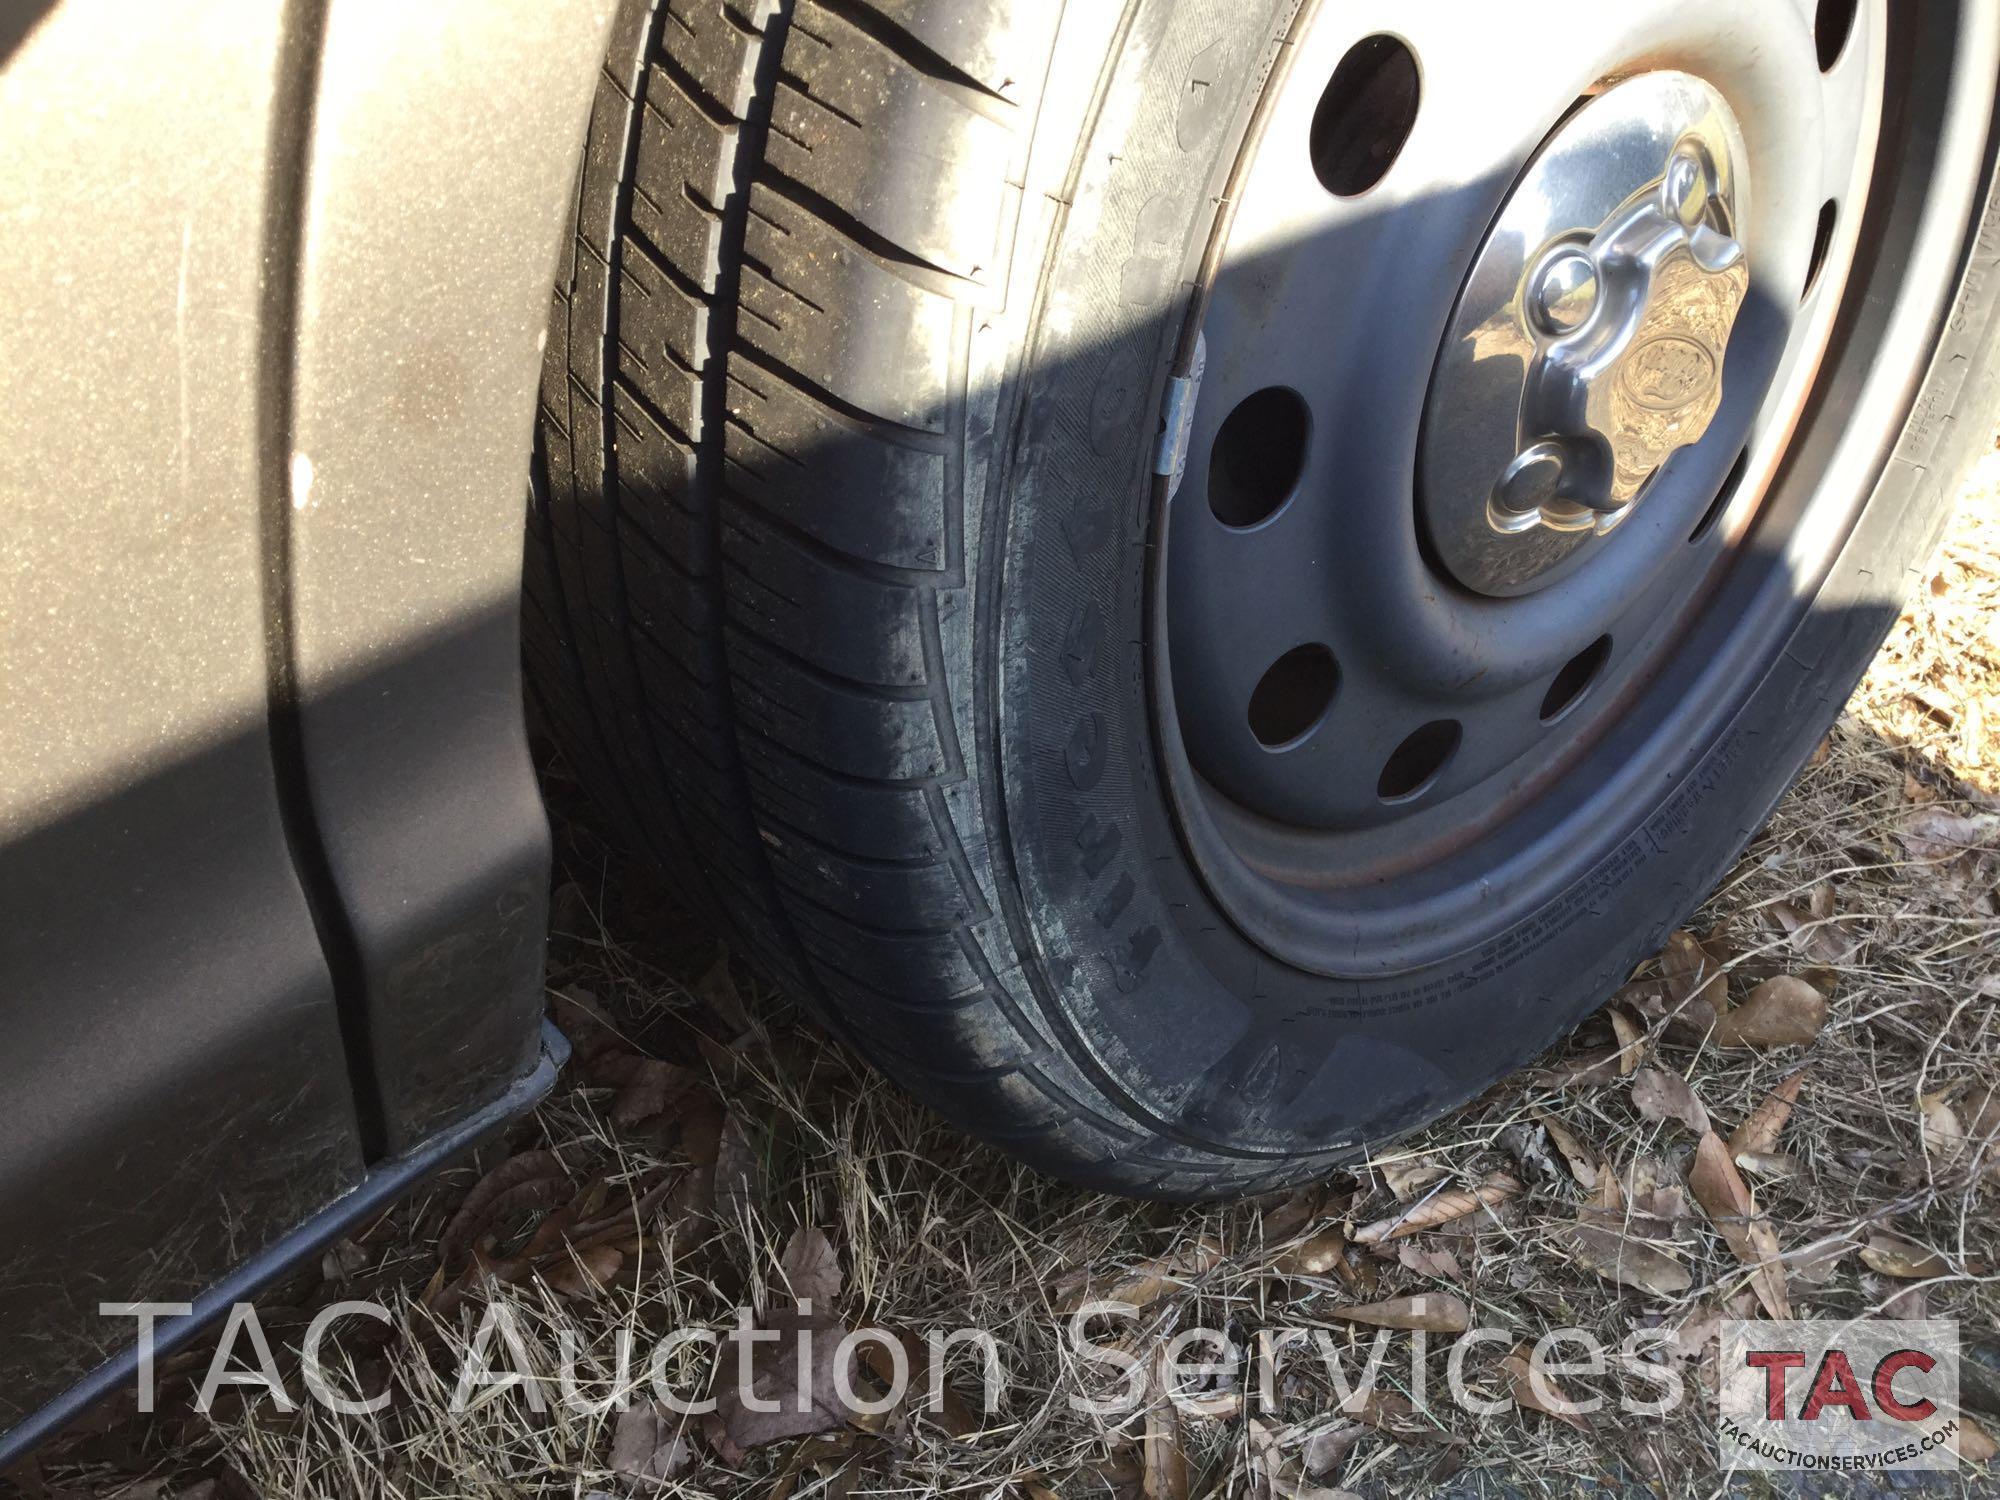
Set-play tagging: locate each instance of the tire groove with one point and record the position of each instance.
(919, 57)
(838, 681)
(878, 246)
(885, 864)
(861, 567)
(834, 773)
(692, 875)
(868, 423)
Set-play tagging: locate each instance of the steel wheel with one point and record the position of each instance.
(1502, 352)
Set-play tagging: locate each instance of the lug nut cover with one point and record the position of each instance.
(1588, 343)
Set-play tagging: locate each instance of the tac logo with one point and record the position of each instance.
(1833, 1396)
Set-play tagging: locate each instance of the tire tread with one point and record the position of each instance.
(750, 512)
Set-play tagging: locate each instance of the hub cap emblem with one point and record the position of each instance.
(1589, 344)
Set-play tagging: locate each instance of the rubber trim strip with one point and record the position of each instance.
(378, 1190)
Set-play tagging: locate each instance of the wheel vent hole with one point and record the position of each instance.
(1831, 27)
(1365, 115)
(1414, 765)
(1293, 696)
(1721, 501)
(1822, 240)
(1575, 678)
(1258, 456)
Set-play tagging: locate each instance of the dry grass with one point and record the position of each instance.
(933, 1230)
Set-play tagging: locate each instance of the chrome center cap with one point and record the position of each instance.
(1588, 343)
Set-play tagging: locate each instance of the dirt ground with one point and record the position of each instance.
(709, 1149)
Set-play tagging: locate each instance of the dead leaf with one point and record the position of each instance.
(585, 1274)
(1943, 1133)
(1520, 1373)
(1934, 833)
(596, 1224)
(1724, 1196)
(648, 1446)
(1973, 1443)
(1783, 1011)
(1389, 1413)
(1325, 1449)
(1582, 1165)
(1607, 1199)
(1692, 974)
(1698, 1332)
(1587, 1070)
(1628, 1261)
(717, 990)
(588, 1028)
(1164, 1471)
(1631, 1040)
(1276, 1476)
(1528, 1144)
(1323, 1252)
(1814, 933)
(1940, 704)
(1664, 1204)
(1139, 1287)
(1759, 1132)
(1892, 1255)
(1406, 1176)
(1121, 1471)
(826, 1455)
(1772, 1166)
(1643, 1201)
(1688, 1016)
(534, 1179)
(1441, 1208)
(1982, 1112)
(954, 1413)
(1439, 1263)
(1433, 1312)
(811, 1268)
(650, 1089)
(737, 1187)
(734, 1427)
(1659, 1095)
(1908, 1304)
(1295, 1211)
(1816, 1263)
(343, 1261)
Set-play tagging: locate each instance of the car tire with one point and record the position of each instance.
(859, 485)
